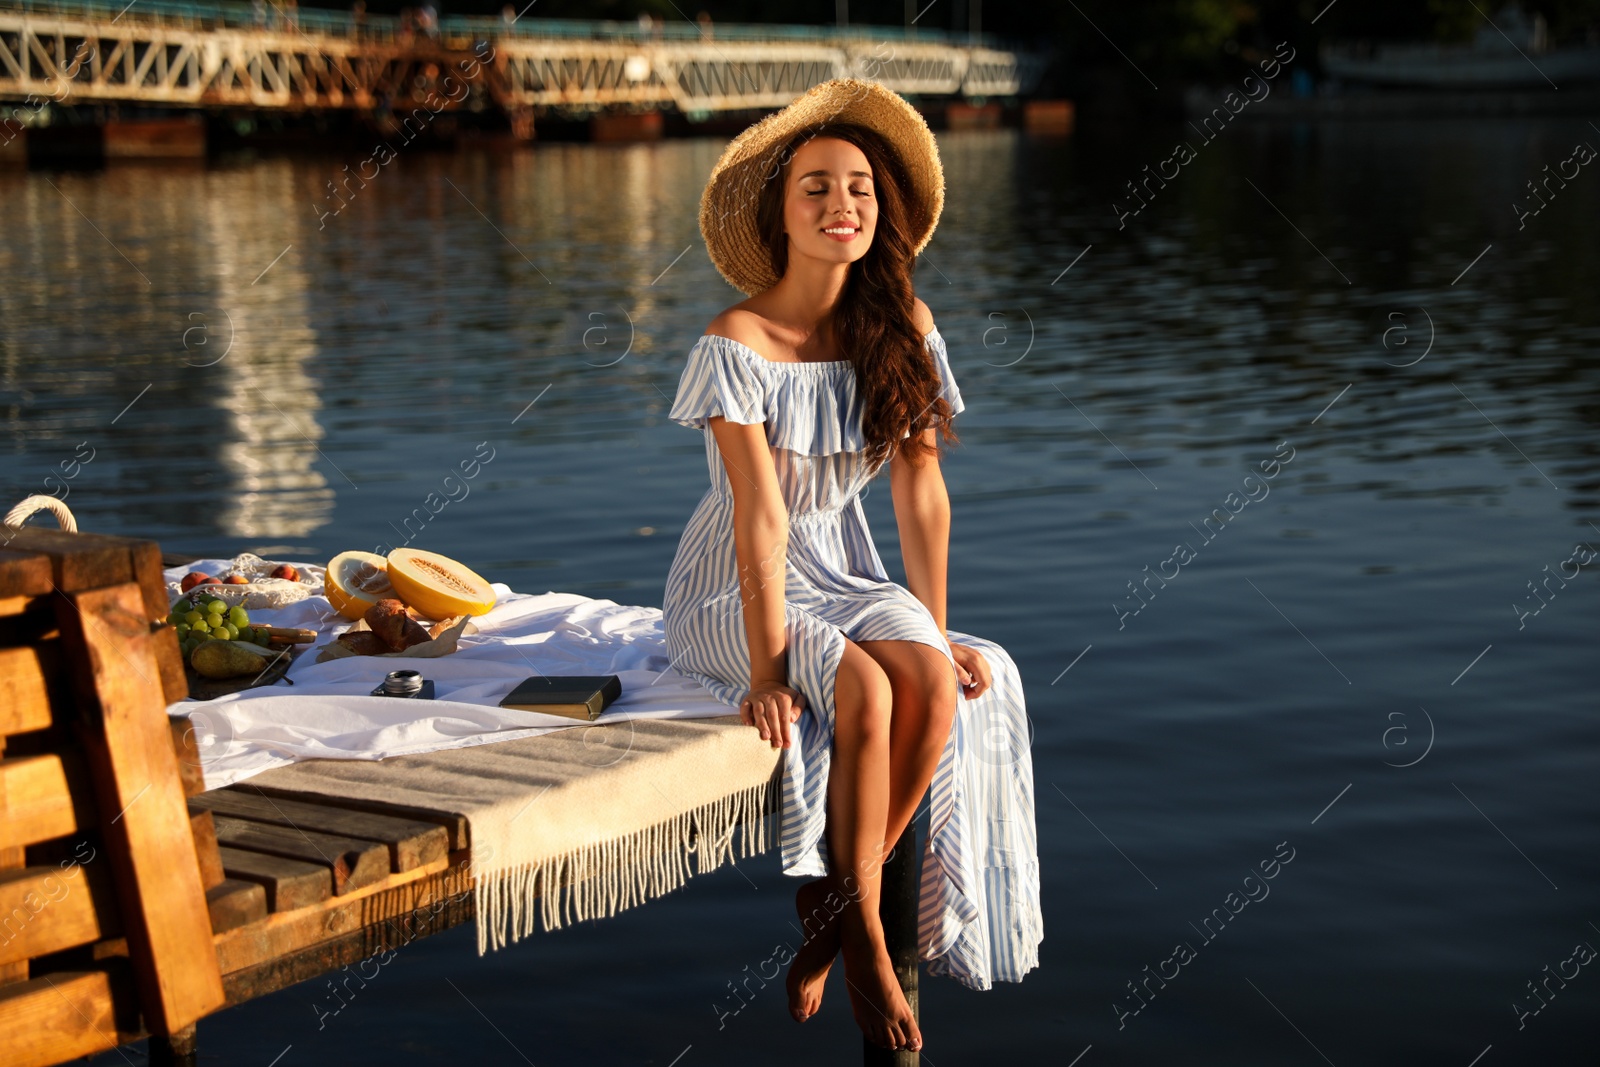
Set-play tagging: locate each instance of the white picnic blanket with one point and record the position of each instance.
(327, 712)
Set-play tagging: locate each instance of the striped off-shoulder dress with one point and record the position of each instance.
(979, 919)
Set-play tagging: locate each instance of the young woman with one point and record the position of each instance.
(777, 600)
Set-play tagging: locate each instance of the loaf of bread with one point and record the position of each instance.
(390, 621)
(364, 643)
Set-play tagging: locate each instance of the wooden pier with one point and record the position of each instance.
(133, 901)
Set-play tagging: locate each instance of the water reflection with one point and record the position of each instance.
(263, 341)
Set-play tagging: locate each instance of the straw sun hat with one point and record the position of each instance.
(728, 205)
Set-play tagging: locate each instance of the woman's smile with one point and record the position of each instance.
(831, 193)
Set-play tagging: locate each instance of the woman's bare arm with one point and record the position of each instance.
(922, 511)
(760, 537)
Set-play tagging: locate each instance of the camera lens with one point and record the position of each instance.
(402, 683)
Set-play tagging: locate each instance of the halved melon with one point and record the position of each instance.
(355, 581)
(437, 586)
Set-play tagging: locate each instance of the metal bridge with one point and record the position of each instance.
(271, 56)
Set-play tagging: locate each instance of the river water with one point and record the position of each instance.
(1371, 662)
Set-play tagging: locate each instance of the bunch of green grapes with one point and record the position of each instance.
(208, 618)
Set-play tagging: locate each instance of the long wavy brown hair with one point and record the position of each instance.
(873, 322)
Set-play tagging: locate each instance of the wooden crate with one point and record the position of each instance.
(132, 901)
(105, 928)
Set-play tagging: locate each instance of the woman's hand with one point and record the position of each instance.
(972, 670)
(771, 707)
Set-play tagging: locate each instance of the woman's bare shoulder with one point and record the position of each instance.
(740, 324)
(922, 316)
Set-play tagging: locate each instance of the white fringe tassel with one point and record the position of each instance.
(599, 880)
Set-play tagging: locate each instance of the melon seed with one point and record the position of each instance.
(444, 576)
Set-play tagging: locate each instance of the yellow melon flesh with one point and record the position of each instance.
(355, 581)
(437, 586)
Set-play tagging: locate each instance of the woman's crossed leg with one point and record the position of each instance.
(894, 704)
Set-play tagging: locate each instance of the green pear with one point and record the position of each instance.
(227, 659)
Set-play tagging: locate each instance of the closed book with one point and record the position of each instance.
(577, 696)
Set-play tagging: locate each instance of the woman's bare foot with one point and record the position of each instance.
(876, 999)
(808, 971)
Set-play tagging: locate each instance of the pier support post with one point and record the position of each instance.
(897, 906)
(522, 127)
(180, 1049)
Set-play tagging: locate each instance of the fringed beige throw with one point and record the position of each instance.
(598, 880)
(580, 823)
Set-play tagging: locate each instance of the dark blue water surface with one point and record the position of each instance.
(1352, 304)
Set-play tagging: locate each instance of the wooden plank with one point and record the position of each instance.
(232, 904)
(289, 884)
(13, 968)
(68, 856)
(353, 862)
(146, 556)
(115, 947)
(411, 844)
(63, 1016)
(187, 750)
(127, 742)
(42, 797)
(24, 692)
(12, 857)
(17, 605)
(23, 574)
(392, 900)
(48, 908)
(205, 847)
(399, 916)
(78, 561)
(169, 664)
(453, 822)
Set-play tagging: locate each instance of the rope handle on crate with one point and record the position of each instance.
(37, 503)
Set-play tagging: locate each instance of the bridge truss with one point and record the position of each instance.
(86, 56)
